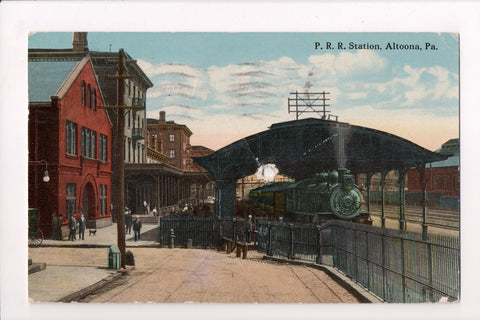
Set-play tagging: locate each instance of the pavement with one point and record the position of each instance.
(77, 270)
(70, 279)
(104, 237)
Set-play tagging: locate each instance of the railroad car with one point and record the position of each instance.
(326, 196)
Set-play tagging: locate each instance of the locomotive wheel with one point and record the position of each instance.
(35, 239)
(345, 204)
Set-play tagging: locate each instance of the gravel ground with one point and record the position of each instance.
(196, 275)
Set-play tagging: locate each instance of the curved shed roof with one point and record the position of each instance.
(302, 148)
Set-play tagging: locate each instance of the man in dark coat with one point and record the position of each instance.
(128, 222)
(137, 226)
(72, 227)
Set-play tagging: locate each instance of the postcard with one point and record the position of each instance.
(207, 167)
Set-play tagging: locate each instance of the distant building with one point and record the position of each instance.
(169, 143)
(170, 139)
(442, 177)
(72, 135)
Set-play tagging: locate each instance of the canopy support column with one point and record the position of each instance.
(401, 199)
(423, 183)
(382, 186)
(225, 194)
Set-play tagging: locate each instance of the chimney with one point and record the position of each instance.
(80, 42)
(161, 120)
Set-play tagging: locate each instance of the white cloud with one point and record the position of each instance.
(356, 95)
(243, 99)
(347, 63)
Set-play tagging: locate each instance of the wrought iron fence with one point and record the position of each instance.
(203, 232)
(398, 267)
(395, 266)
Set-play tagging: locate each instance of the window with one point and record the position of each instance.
(89, 94)
(89, 139)
(171, 137)
(134, 150)
(129, 150)
(71, 199)
(94, 99)
(71, 139)
(102, 145)
(84, 94)
(103, 199)
(171, 153)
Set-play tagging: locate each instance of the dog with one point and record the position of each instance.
(92, 232)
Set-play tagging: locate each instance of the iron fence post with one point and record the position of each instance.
(160, 232)
(233, 230)
(367, 259)
(290, 249)
(355, 253)
(402, 255)
(384, 276)
(430, 270)
(319, 245)
(269, 247)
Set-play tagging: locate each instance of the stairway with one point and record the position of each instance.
(150, 219)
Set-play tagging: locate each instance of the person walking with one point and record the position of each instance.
(128, 222)
(249, 229)
(72, 227)
(81, 227)
(137, 226)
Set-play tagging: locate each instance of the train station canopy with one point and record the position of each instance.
(302, 148)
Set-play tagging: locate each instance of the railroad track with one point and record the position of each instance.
(438, 218)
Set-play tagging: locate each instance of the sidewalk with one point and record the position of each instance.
(65, 283)
(104, 237)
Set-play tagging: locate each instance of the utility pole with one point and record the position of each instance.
(119, 159)
(118, 182)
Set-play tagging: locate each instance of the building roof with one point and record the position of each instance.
(451, 147)
(453, 161)
(104, 63)
(46, 77)
(302, 148)
(155, 124)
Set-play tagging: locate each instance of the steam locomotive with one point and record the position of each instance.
(326, 196)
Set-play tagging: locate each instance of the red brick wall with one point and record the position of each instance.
(445, 180)
(47, 133)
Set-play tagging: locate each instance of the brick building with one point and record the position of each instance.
(169, 143)
(442, 177)
(71, 135)
(105, 66)
(172, 140)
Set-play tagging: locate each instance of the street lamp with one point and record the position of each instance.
(46, 177)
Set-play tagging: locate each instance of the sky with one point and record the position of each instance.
(225, 86)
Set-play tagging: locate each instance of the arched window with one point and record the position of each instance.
(89, 95)
(94, 99)
(84, 93)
